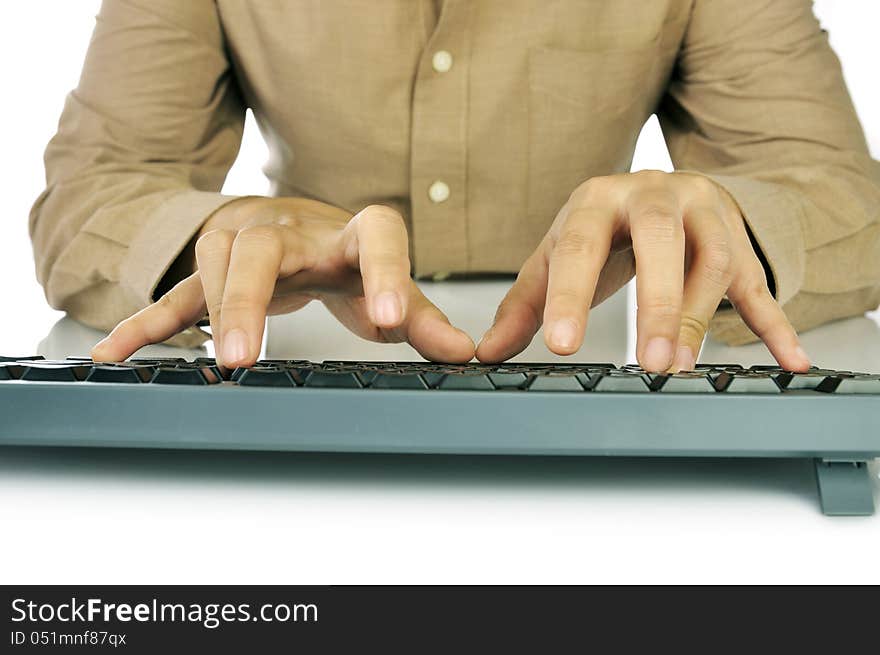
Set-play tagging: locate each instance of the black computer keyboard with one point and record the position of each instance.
(717, 410)
(589, 377)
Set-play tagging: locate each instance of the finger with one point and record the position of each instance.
(707, 280)
(520, 314)
(658, 246)
(382, 251)
(212, 261)
(576, 260)
(254, 263)
(180, 308)
(426, 328)
(765, 318)
(429, 331)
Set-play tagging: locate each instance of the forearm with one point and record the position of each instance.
(99, 255)
(758, 103)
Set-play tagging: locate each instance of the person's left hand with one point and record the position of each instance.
(686, 238)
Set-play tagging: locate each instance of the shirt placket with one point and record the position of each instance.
(439, 146)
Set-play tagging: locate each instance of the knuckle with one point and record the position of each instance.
(168, 302)
(170, 305)
(241, 304)
(263, 236)
(574, 242)
(290, 219)
(214, 308)
(266, 232)
(704, 186)
(756, 288)
(214, 241)
(594, 187)
(751, 292)
(381, 215)
(694, 328)
(567, 298)
(652, 177)
(657, 211)
(662, 307)
(581, 216)
(718, 262)
(698, 183)
(657, 227)
(387, 261)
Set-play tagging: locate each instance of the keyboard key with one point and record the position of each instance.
(395, 380)
(54, 372)
(685, 382)
(158, 361)
(718, 367)
(299, 373)
(559, 382)
(10, 371)
(619, 381)
(466, 382)
(746, 382)
(818, 380)
(433, 378)
(121, 373)
(859, 383)
(508, 379)
(191, 375)
(367, 375)
(766, 368)
(264, 376)
(335, 379)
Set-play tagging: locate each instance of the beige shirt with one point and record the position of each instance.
(475, 119)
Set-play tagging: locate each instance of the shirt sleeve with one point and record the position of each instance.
(142, 148)
(758, 103)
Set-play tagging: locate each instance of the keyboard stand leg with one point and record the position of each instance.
(844, 488)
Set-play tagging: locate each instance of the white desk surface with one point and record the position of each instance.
(117, 516)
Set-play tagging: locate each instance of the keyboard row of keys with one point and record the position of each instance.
(593, 377)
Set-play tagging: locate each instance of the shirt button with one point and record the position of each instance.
(441, 61)
(438, 191)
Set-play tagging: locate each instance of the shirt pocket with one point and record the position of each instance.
(586, 109)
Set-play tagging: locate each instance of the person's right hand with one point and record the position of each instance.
(261, 256)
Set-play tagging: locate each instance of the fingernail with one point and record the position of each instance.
(563, 334)
(684, 359)
(658, 354)
(800, 352)
(388, 309)
(235, 346)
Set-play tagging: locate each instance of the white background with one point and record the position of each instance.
(145, 517)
